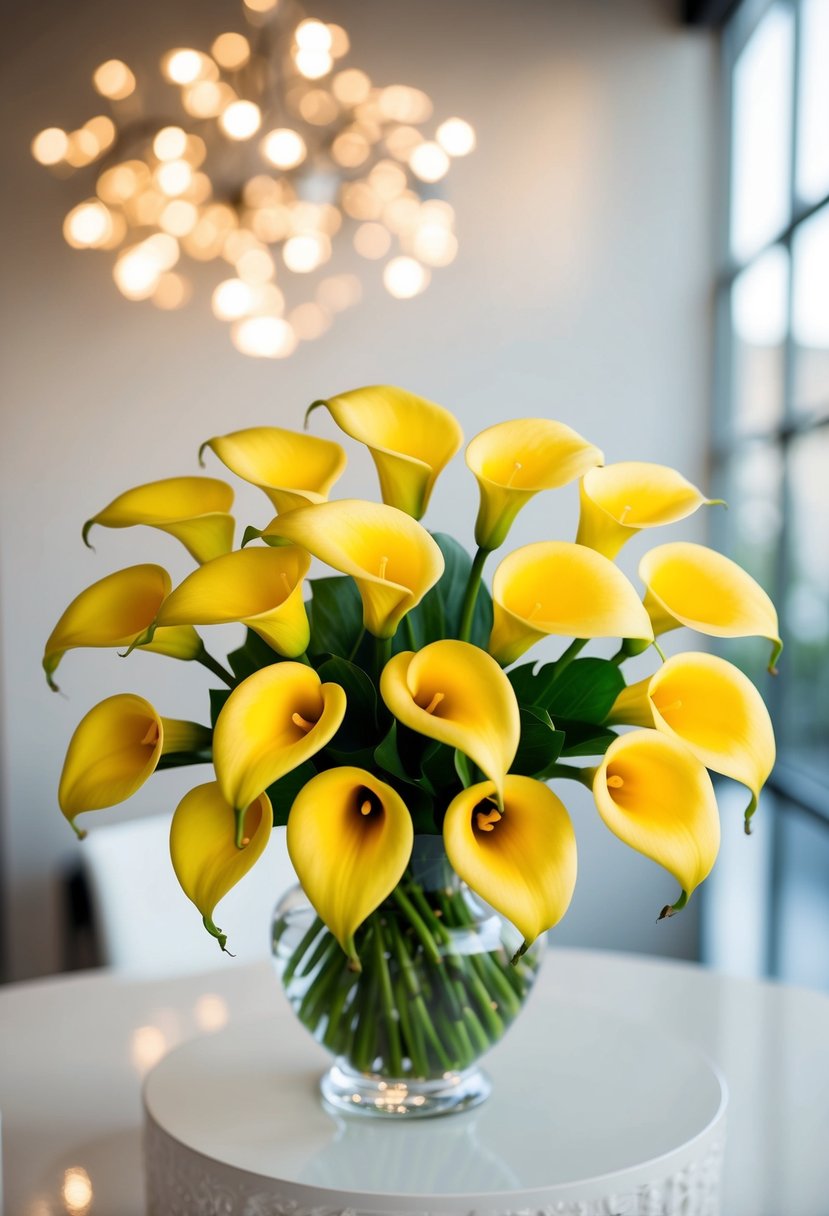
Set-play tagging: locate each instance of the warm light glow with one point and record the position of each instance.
(339, 292)
(231, 51)
(372, 240)
(261, 6)
(402, 214)
(163, 248)
(114, 80)
(264, 337)
(83, 148)
(340, 43)
(102, 130)
(313, 64)
(456, 137)
(404, 277)
(200, 188)
(170, 143)
(172, 291)
(195, 150)
(429, 162)
(50, 146)
(255, 266)
(173, 177)
(138, 270)
(77, 1191)
(231, 300)
(207, 99)
(404, 104)
(318, 107)
(313, 35)
(351, 86)
(122, 182)
(88, 225)
(360, 202)
(387, 179)
(435, 245)
(284, 148)
(147, 1045)
(146, 208)
(401, 141)
(179, 217)
(241, 119)
(211, 1011)
(350, 148)
(237, 243)
(309, 321)
(184, 66)
(305, 253)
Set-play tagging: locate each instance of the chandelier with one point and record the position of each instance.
(271, 159)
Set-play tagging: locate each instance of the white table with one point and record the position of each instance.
(73, 1051)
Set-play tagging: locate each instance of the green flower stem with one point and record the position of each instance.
(491, 971)
(570, 773)
(412, 1033)
(387, 1001)
(337, 1029)
(412, 982)
(566, 658)
(471, 594)
(296, 958)
(364, 1037)
(410, 633)
(419, 926)
(322, 948)
(382, 654)
(215, 666)
(177, 759)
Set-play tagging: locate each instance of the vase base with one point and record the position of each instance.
(371, 1096)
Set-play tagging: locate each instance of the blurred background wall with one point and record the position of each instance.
(582, 291)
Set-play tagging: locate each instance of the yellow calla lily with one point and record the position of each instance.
(617, 501)
(292, 469)
(711, 707)
(692, 585)
(114, 749)
(262, 588)
(456, 693)
(115, 611)
(350, 838)
(393, 560)
(520, 858)
(410, 439)
(193, 509)
(654, 794)
(205, 857)
(514, 460)
(270, 724)
(555, 587)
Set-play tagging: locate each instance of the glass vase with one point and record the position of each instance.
(438, 988)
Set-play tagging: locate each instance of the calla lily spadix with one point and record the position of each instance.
(350, 838)
(393, 560)
(515, 460)
(206, 859)
(711, 707)
(410, 439)
(554, 587)
(692, 585)
(617, 501)
(193, 509)
(270, 724)
(115, 748)
(262, 588)
(292, 469)
(116, 611)
(520, 858)
(653, 793)
(456, 693)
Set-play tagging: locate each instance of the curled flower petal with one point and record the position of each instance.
(262, 588)
(350, 838)
(456, 693)
(393, 560)
(193, 509)
(514, 460)
(203, 848)
(520, 858)
(554, 587)
(620, 499)
(410, 439)
(293, 469)
(692, 585)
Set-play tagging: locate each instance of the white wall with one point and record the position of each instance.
(581, 291)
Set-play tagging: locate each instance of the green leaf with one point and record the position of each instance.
(439, 613)
(585, 689)
(438, 769)
(283, 792)
(251, 656)
(388, 757)
(464, 769)
(584, 738)
(336, 616)
(532, 687)
(540, 743)
(218, 696)
(360, 724)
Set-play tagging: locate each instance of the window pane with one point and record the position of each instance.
(813, 135)
(759, 308)
(810, 313)
(803, 941)
(761, 134)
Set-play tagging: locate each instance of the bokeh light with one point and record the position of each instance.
(113, 79)
(231, 51)
(241, 119)
(404, 278)
(49, 147)
(284, 148)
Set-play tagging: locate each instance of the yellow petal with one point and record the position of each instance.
(620, 499)
(114, 612)
(293, 469)
(193, 509)
(393, 560)
(691, 585)
(522, 859)
(262, 588)
(554, 587)
(350, 838)
(455, 693)
(655, 796)
(410, 439)
(514, 460)
(202, 846)
(272, 722)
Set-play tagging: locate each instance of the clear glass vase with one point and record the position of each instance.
(437, 989)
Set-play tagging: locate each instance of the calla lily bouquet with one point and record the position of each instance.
(392, 704)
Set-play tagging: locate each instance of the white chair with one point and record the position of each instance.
(145, 923)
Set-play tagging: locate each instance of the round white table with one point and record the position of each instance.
(74, 1050)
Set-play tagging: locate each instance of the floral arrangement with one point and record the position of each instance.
(392, 703)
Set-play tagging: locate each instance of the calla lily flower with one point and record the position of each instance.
(393, 560)
(521, 857)
(554, 587)
(350, 839)
(691, 585)
(292, 469)
(410, 439)
(270, 724)
(114, 749)
(116, 611)
(514, 460)
(262, 588)
(206, 859)
(714, 709)
(456, 693)
(654, 794)
(617, 501)
(193, 509)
